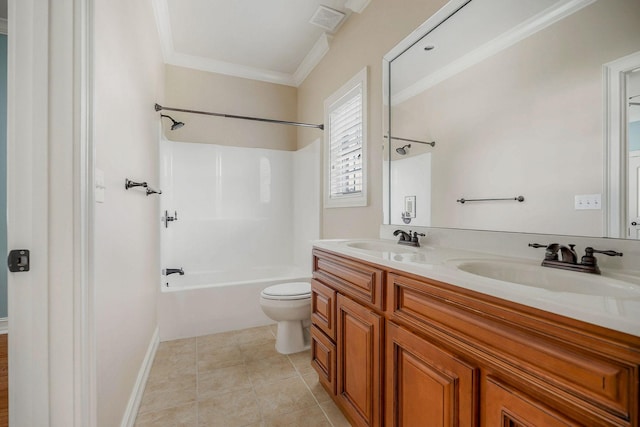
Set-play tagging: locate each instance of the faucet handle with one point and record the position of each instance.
(591, 251)
(537, 245)
(590, 260)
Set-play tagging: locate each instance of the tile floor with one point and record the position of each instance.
(234, 379)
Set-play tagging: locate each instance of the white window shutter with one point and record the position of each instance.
(345, 130)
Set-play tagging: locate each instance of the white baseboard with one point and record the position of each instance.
(129, 418)
(4, 325)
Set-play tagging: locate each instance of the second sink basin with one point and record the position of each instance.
(554, 280)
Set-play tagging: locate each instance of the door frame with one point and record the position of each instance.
(615, 144)
(632, 198)
(85, 396)
(49, 130)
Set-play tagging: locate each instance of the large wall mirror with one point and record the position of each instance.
(517, 115)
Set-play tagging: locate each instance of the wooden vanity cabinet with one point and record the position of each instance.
(346, 312)
(588, 374)
(411, 351)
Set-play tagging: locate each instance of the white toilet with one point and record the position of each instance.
(289, 304)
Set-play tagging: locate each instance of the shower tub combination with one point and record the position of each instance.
(246, 219)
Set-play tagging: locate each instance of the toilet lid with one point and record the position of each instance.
(294, 290)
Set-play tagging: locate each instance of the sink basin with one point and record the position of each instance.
(550, 279)
(376, 246)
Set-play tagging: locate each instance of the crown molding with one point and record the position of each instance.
(230, 69)
(4, 26)
(170, 56)
(313, 58)
(358, 6)
(540, 21)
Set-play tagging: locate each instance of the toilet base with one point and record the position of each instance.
(291, 337)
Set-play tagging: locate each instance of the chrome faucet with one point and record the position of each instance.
(407, 238)
(569, 258)
(168, 271)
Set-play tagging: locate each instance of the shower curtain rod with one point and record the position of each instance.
(232, 116)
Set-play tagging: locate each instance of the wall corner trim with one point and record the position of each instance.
(313, 58)
(358, 6)
(129, 418)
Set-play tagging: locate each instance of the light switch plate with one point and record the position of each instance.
(588, 201)
(409, 207)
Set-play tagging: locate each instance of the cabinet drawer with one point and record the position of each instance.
(577, 366)
(507, 407)
(361, 282)
(323, 359)
(323, 308)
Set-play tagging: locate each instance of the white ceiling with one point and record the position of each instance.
(263, 40)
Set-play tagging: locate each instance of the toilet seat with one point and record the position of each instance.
(287, 291)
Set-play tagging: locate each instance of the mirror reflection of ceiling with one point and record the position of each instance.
(481, 29)
(3, 9)
(513, 116)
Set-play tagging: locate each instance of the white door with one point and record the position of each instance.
(49, 164)
(633, 213)
(27, 197)
(48, 213)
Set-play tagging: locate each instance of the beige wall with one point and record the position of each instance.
(128, 81)
(362, 41)
(204, 91)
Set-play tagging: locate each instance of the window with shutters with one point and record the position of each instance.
(345, 144)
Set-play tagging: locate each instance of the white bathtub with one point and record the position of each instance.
(207, 279)
(217, 301)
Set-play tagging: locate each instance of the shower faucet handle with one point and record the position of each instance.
(167, 219)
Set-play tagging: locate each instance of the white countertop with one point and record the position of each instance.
(617, 312)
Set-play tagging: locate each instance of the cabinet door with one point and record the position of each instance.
(427, 386)
(359, 371)
(506, 407)
(323, 308)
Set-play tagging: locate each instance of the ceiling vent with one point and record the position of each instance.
(327, 18)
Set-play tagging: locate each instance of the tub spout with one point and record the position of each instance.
(169, 271)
